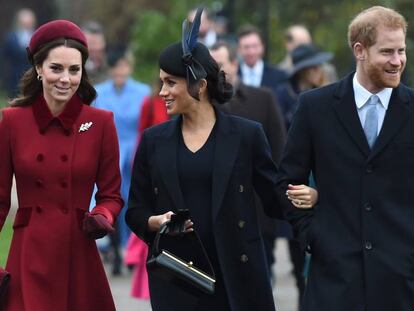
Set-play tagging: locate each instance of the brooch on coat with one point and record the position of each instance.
(85, 126)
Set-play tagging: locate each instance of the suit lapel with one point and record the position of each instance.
(397, 115)
(166, 153)
(347, 114)
(226, 150)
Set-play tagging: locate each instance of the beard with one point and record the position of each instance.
(379, 77)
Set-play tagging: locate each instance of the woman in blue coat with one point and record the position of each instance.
(211, 164)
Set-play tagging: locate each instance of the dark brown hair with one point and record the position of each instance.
(247, 30)
(30, 86)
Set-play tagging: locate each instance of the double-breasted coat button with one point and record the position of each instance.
(241, 224)
(64, 184)
(368, 207)
(244, 258)
(64, 210)
(39, 183)
(241, 188)
(155, 190)
(38, 209)
(64, 158)
(68, 132)
(368, 246)
(369, 169)
(40, 157)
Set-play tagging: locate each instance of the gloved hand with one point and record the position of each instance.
(96, 226)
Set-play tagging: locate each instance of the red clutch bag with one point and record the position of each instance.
(4, 284)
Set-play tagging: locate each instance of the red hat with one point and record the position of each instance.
(53, 30)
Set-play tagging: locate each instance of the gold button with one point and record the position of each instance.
(241, 224)
(244, 258)
(241, 188)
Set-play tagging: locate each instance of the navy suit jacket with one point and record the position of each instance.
(272, 77)
(361, 232)
(242, 164)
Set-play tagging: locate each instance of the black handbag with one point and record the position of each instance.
(168, 266)
(4, 285)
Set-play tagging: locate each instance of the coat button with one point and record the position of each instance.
(368, 207)
(68, 132)
(64, 210)
(64, 184)
(244, 258)
(368, 246)
(241, 224)
(156, 191)
(64, 158)
(369, 169)
(38, 209)
(39, 183)
(241, 188)
(40, 157)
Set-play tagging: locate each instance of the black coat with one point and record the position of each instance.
(361, 233)
(242, 164)
(259, 104)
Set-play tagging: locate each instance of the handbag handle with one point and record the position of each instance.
(162, 231)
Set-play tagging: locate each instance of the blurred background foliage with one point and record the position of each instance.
(150, 25)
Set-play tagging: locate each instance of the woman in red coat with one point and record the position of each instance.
(58, 147)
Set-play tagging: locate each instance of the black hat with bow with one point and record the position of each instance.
(307, 55)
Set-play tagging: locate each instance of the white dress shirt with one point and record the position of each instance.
(252, 75)
(362, 96)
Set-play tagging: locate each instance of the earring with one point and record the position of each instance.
(39, 77)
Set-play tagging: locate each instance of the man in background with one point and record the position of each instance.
(253, 70)
(15, 61)
(256, 104)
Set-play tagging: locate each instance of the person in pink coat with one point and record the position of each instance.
(153, 112)
(57, 147)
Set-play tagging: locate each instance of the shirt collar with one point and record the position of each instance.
(66, 118)
(257, 68)
(362, 94)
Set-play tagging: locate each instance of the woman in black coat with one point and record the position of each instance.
(209, 163)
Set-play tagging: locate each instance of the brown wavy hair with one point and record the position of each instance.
(30, 87)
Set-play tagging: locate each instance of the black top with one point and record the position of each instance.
(195, 175)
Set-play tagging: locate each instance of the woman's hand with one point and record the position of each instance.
(155, 222)
(302, 196)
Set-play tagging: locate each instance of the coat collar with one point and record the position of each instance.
(398, 113)
(66, 118)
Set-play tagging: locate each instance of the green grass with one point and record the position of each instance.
(5, 239)
(3, 99)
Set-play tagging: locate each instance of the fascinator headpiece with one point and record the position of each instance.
(189, 58)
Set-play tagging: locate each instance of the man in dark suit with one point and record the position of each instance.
(253, 70)
(357, 137)
(256, 104)
(14, 50)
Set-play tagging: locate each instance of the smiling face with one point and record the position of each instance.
(381, 65)
(175, 94)
(61, 74)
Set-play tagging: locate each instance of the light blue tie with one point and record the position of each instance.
(371, 120)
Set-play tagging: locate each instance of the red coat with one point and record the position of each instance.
(54, 266)
(153, 112)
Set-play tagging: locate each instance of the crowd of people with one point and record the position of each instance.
(252, 151)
